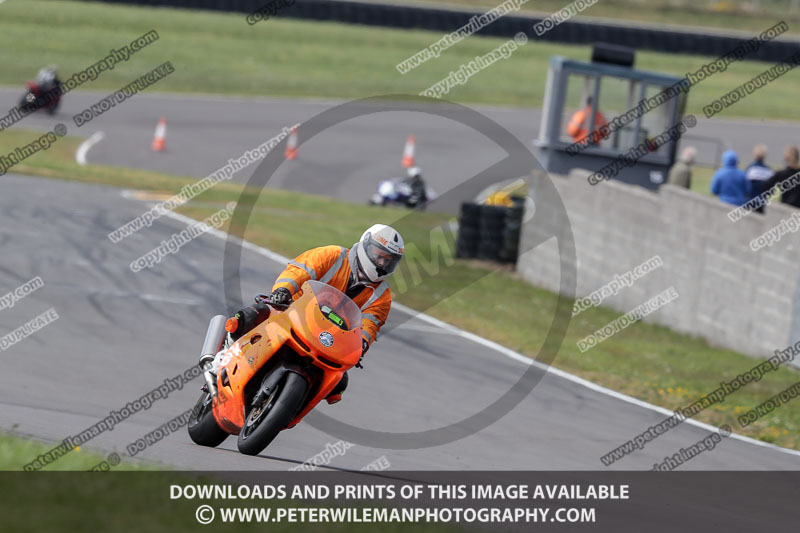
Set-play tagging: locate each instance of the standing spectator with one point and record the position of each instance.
(730, 183)
(758, 174)
(791, 194)
(680, 174)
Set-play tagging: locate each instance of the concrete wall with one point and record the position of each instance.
(728, 294)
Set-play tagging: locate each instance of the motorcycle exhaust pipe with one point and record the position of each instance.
(215, 337)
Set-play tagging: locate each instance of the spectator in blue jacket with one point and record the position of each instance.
(758, 174)
(730, 183)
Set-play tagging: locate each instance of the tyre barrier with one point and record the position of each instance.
(448, 19)
(489, 232)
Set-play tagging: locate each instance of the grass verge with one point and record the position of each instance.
(15, 452)
(646, 361)
(220, 53)
(141, 501)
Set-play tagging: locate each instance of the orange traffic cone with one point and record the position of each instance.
(159, 140)
(291, 144)
(408, 151)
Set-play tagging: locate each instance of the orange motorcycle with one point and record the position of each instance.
(273, 375)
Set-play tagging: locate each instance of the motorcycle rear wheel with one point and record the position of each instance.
(265, 421)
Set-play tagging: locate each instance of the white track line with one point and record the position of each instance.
(425, 329)
(511, 354)
(83, 149)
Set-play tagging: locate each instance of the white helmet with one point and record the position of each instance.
(413, 172)
(379, 252)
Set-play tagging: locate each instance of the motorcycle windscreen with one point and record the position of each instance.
(336, 306)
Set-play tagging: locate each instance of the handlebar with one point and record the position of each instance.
(262, 298)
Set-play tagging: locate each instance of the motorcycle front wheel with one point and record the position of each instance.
(265, 421)
(28, 102)
(203, 428)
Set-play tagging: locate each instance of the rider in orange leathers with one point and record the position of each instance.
(359, 272)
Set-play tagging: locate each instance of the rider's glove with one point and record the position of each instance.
(280, 296)
(364, 348)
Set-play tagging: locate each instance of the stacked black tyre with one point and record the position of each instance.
(511, 232)
(468, 231)
(493, 222)
(489, 232)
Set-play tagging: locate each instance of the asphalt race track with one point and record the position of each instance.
(345, 161)
(120, 334)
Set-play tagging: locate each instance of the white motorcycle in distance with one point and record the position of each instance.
(409, 192)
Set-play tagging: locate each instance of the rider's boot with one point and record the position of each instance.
(336, 394)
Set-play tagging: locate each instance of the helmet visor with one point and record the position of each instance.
(384, 259)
